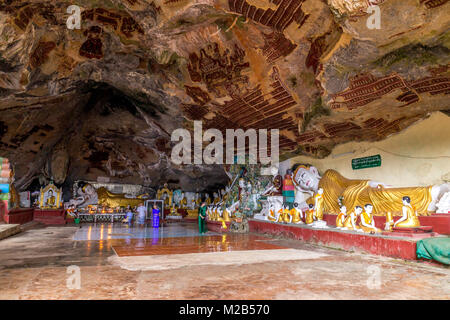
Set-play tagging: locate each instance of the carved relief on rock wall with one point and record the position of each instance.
(93, 46)
(365, 88)
(119, 21)
(286, 12)
(221, 70)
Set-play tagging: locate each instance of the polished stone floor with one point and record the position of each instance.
(175, 262)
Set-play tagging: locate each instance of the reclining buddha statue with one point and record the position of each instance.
(88, 195)
(360, 192)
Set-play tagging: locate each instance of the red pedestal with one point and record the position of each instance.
(440, 222)
(385, 245)
(216, 226)
(50, 216)
(19, 216)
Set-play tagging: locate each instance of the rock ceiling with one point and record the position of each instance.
(103, 100)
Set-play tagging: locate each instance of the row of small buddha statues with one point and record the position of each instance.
(345, 221)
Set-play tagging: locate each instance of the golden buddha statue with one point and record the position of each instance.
(183, 202)
(113, 200)
(367, 223)
(226, 215)
(341, 217)
(51, 200)
(272, 216)
(319, 205)
(296, 214)
(409, 218)
(359, 192)
(287, 218)
(350, 221)
(309, 218)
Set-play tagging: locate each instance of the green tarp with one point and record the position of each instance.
(434, 248)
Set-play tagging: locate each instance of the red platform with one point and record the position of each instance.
(216, 226)
(19, 216)
(440, 222)
(386, 245)
(50, 217)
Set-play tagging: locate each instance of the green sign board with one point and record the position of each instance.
(366, 162)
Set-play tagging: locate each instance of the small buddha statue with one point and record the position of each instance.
(389, 221)
(350, 221)
(280, 215)
(208, 199)
(287, 217)
(51, 200)
(272, 215)
(341, 217)
(367, 222)
(309, 218)
(318, 205)
(216, 198)
(226, 215)
(409, 218)
(183, 201)
(296, 214)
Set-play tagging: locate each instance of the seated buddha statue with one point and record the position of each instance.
(287, 217)
(51, 200)
(341, 217)
(226, 215)
(183, 201)
(272, 215)
(296, 214)
(350, 221)
(367, 222)
(359, 192)
(309, 218)
(409, 218)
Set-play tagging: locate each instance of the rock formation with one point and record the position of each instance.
(103, 100)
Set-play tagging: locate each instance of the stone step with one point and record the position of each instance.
(7, 230)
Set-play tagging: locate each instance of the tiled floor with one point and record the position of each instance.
(183, 245)
(34, 265)
(107, 231)
(177, 238)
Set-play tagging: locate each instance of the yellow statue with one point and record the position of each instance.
(318, 205)
(115, 200)
(287, 218)
(359, 192)
(272, 216)
(341, 217)
(183, 202)
(310, 215)
(296, 214)
(409, 218)
(350, 221)
(227, 215)
(367, 223)
(51, 200)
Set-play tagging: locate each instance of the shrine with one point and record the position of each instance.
(224, 149)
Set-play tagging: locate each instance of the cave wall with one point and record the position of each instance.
(418, 156)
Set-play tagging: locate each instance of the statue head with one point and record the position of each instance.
(358, 210)
(274, 170)
(368, 208)
(311, 206)
(406, 200)
(320, 191)
(306, 178)
(344, 209)
(295, 205)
